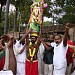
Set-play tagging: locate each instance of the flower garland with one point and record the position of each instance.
(32, 52)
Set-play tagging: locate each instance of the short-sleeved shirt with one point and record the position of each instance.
(59, 59)
(20, 57)
(69, 51)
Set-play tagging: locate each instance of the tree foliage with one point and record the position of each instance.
(67, 11)
(47, 23)
(61, 10)
(11, 21)
(47, 10)
(2, 2)
(2, 23)
(23, 7)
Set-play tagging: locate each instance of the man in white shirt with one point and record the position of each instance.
(20, 54)
(60, 49)
(20, 58)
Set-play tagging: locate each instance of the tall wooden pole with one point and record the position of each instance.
(15, 19)
(6, 17)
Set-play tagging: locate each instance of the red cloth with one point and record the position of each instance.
(70, 51)
(31, 68)
(2, 62)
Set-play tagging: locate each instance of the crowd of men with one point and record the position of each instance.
(55, 56)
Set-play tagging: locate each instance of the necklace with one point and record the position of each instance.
(32, 51)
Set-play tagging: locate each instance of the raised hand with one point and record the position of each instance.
(66, 28)
(11, 42)
(5, 37)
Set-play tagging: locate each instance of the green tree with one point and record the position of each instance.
(67, 11)
(2, 2)
(11, 21)
(47, 23)
(47, 11)
(23, 6)
(2, 23)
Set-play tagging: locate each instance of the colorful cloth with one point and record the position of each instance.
(2, 62)
(31, 67)
(2, 58)
(38, 0)
(70, 51)
(35, 27)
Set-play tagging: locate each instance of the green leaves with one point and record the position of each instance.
(67, 7)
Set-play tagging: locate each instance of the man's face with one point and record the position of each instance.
(12, 39)
(51, 37)
(57, 39)
(33, 39)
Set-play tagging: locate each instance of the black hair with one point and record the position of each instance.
(53, 35)
(20, 37)
(14, 40)
(58, 35)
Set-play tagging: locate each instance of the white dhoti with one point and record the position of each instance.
(20, 68)
(61, 71)
(9, 72)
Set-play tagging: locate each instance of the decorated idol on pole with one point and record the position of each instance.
(34, 24)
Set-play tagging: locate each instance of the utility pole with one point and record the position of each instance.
(15, 18)
(6, 17)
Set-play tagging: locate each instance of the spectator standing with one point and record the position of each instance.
(69, 57)
(60, 49)
(48, 58)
